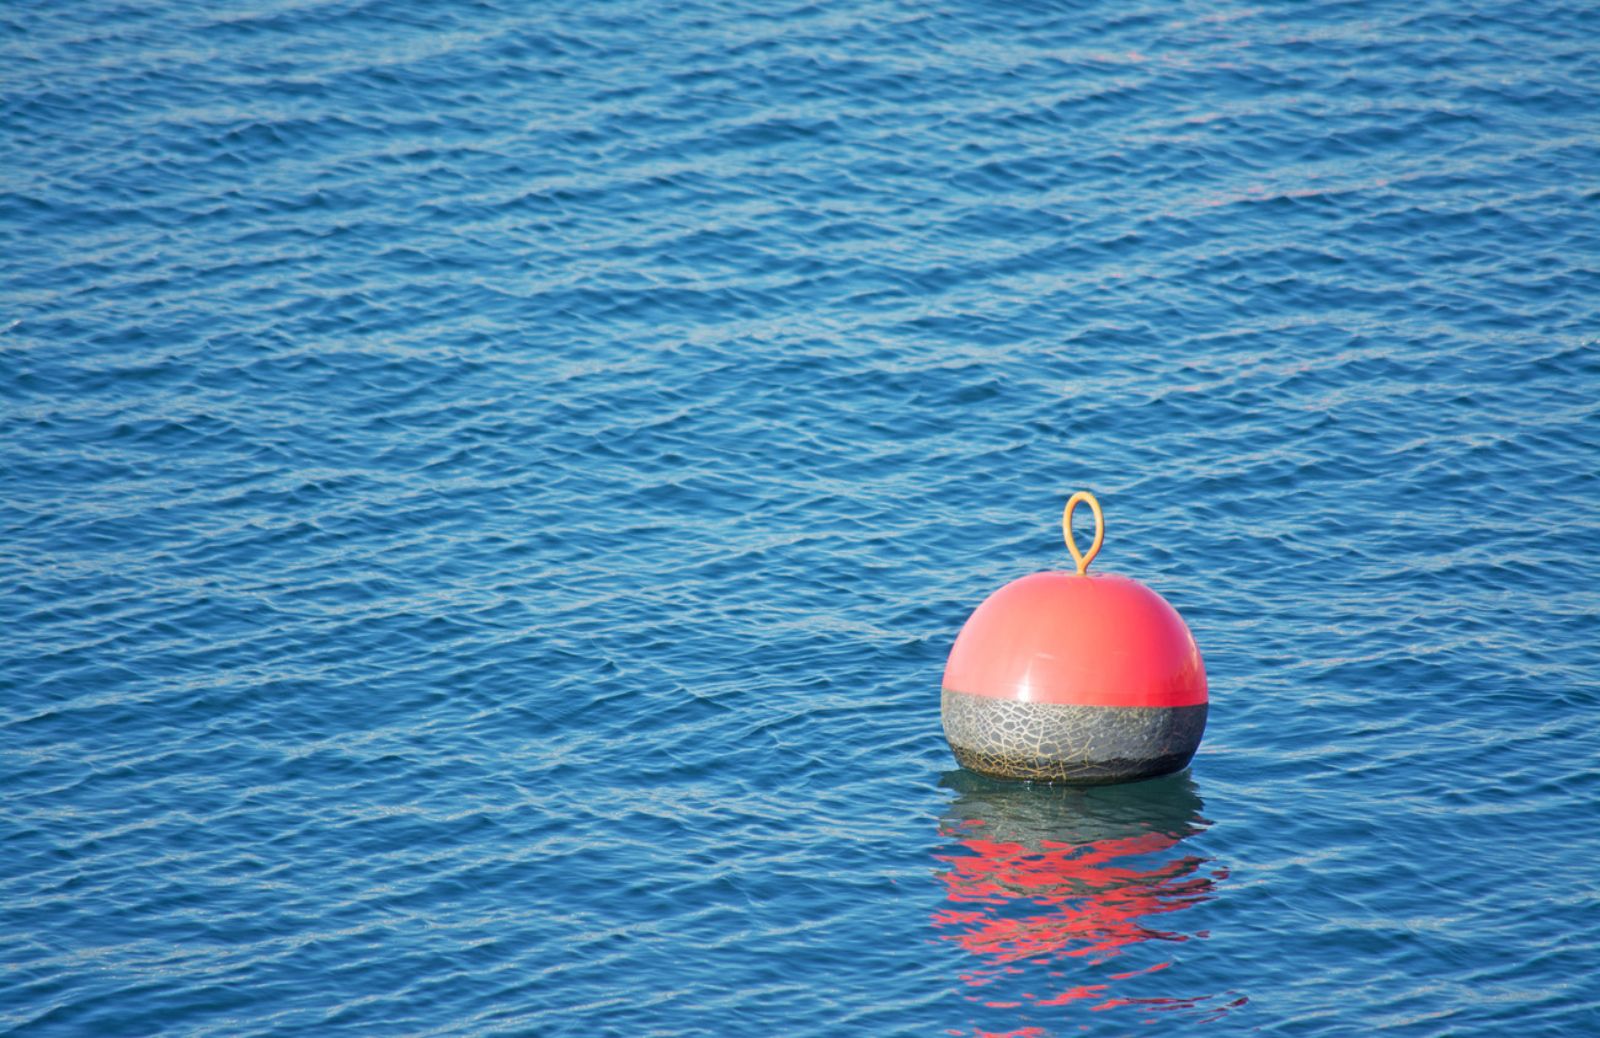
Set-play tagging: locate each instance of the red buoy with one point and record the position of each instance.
(1064, 677)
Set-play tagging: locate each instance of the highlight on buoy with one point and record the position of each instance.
(1071, 678)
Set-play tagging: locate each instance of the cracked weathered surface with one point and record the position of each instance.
(1052, 742)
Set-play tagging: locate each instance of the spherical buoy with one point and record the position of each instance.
(1064, 677)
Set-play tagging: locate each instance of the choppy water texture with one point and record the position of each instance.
(488, 490)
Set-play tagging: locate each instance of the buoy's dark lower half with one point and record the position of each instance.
(1061, 742)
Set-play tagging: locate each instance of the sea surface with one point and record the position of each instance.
(487, 491)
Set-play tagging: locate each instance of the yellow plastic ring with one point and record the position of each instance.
(1099, 529)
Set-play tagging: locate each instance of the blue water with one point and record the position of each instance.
(487, 490)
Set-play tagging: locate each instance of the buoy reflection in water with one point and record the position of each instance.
(1071, 898)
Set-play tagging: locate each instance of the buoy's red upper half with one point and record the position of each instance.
(1080, 640)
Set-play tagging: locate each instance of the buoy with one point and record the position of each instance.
(1071, 678)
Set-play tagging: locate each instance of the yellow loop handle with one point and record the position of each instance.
(1099, 529)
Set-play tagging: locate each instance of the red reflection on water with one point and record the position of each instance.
(1018, 907)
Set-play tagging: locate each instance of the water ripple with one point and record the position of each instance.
(489, 489)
